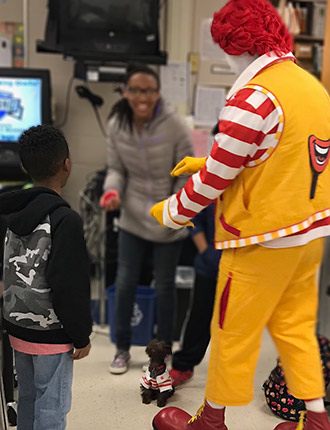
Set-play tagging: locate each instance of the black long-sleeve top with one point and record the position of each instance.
(47, 291)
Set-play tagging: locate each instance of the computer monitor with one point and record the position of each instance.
(24, 102)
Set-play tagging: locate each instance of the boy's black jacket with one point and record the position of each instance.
(46, 269)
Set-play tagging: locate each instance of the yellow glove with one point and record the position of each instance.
(157, 212)
(188, 165)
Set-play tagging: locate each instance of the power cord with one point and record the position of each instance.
(83, 92)
(67, 104)
(96, 101)
(99, 120)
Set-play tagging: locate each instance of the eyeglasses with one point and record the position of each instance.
(135, 91)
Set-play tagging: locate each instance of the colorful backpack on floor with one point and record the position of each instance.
(278, 397)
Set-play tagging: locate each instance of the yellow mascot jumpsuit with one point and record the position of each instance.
(274, 287)
(260, 286)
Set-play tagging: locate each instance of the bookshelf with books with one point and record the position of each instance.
(306, 19)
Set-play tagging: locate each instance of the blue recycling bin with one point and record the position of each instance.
(143, 318)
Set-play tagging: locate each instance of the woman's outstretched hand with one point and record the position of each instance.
(110, 200)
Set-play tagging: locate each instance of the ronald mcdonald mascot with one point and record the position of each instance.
(269, 175)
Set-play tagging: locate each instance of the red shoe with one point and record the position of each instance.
(314, 421)
(180, 376)
(207, 418)
(171, 419)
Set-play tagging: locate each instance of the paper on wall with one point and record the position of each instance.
(210, 51)
(13, 32)
(175, 82)
(209, 102)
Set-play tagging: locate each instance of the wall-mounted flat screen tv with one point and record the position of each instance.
(104, 30)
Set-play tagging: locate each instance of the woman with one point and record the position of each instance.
(146, 140)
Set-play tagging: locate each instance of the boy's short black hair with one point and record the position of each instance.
(43, 150)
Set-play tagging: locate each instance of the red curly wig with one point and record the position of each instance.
(252, 26)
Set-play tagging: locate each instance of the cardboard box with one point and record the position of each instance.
(304, 50)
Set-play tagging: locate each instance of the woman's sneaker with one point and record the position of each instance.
(180, 376)
(120, 362)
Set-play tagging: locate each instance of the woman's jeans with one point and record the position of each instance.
(44, 390)
(131, 255)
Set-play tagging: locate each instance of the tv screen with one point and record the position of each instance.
(24, 102)
(104, 30)
(20, 106)
(114, 15)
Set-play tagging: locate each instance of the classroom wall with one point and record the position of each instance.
(183, 36)
(206, 76)
(11, 10)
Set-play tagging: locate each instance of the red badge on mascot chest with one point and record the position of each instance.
(319, 152)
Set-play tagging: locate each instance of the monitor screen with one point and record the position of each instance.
(104, 31)
(20, 106)
(114, 15)
(25, 101)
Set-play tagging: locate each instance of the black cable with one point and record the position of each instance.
(67, 104)
(98, 117)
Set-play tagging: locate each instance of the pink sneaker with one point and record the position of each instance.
(180, 376)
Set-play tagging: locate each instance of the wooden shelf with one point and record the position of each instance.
(308, 38)
(310, 1)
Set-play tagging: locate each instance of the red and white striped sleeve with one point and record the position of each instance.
(247, 127)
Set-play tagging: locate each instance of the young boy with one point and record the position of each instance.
(46, 283)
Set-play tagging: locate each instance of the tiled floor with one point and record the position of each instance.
(105, 401)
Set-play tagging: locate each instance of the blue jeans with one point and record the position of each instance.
(131, 254)
(44, 390)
